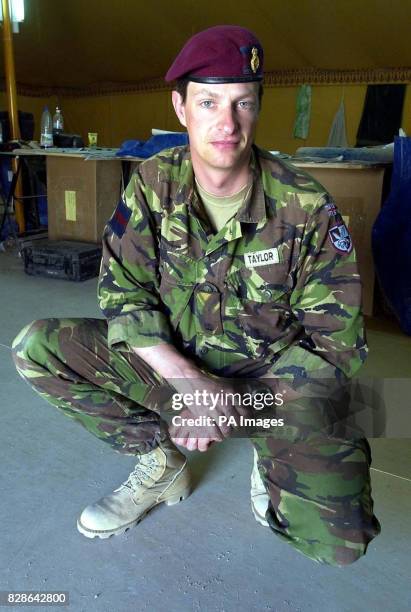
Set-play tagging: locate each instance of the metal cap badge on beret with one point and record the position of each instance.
(222, 54)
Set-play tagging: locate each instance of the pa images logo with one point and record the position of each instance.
(340, 238)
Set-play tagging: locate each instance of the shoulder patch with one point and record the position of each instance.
(331, 209)
(340, 238)
(120, 219)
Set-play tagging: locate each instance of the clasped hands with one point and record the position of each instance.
(203, 409)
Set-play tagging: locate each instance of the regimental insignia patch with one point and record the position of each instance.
(340, 238)
(255, 60)
(120, 219)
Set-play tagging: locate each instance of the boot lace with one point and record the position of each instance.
(143, 470)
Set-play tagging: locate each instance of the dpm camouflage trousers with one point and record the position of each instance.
(319, 488)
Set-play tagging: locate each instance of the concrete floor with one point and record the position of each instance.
(207, 553)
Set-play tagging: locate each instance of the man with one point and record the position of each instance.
(220, 264)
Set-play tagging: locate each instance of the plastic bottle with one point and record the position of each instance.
(46, 138)
(58, 121)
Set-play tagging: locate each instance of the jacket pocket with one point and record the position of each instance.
(258, 300)
(262, 285)
(177, 284)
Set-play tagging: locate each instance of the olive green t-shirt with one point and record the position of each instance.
(221, 209)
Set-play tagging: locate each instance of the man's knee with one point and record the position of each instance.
(29, 343)
(325, 553)
(323, 541)
(343, 555)
(26, 335)
(336, 556)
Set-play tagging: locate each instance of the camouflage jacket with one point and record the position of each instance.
(278, 283)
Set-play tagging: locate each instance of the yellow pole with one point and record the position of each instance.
(12, 103)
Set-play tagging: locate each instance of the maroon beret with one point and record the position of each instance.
(222, 54)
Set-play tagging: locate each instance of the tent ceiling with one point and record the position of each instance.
(78, 43)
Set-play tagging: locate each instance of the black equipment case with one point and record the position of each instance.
(76, 261)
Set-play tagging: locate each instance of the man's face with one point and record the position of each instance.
(221, 121)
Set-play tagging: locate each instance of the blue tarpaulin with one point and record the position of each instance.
(155, 144)
(391, 237)
(382, 154)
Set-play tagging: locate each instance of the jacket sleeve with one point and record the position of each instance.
(128, 286)
(326, 302)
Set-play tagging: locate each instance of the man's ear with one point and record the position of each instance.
(179, 107)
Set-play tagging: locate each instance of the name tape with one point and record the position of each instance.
(261, 258)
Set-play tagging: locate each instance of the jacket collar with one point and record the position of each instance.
(254, 208)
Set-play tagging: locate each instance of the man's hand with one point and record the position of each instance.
(210, 396)
(192, 437)
(192, 444)
(186, 378)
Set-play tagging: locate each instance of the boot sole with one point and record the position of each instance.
(103, 535)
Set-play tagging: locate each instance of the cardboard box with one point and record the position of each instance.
(81, 195)
(357, 190)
